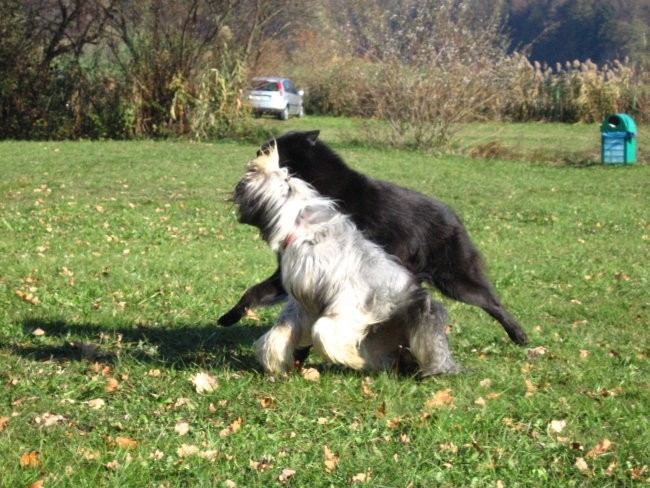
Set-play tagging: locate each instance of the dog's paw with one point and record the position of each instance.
(230, 318)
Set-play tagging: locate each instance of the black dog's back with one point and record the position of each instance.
(423, 233)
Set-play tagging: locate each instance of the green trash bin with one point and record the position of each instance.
(618, 133)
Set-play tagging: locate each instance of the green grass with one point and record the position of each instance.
(116, 258)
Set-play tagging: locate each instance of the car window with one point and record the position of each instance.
(264, 85)
(289, 86)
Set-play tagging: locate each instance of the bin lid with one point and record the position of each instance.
(618, 123)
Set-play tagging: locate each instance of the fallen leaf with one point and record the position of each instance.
(393, 423)
(286, 474)
(154, 372)
(449, 446)
(557, 426)
(250, 314)
(310, 374)
(126, 443)
(609, 471)
(485, 382)
(111, 385)
(365, 386)
(440, 398)
(182, 428)
(530, 388)
(204, 382)
(48, 419)
(28, 297)
(480, 401)
(38, 332)
(88, 454)
(30, 459)
(230, 484)
(267, 402)
(187, 450)
(232, 428)
(602, 447)
(210, 455)
(96, 404)
(361, 477)
(37, 484)
(263, 464)
(111, 465)
(3, 423)
(582, 465)
(330, 459)
(157, 455)
(536, 351)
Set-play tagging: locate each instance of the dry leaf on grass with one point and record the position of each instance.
(310, 374)
(3, 423)
(365, 386)
(232, 428)
(187, 450)
(582, 465)
(441, 398)
(37, 484)
(557, 426)
(361, 477)
(263, 464)
(330, 459)
(111, 385)
(267, 402)
(49, 419)
(96, 404)
(204, 382)
(30, 459)
(602, 447)
(126, 443)
(534, 352)
(182, 428)
(286, 474)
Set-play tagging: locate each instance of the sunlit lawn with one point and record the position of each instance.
(116, 258)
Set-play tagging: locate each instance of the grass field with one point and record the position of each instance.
(116, 258)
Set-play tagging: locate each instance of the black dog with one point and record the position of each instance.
(424, 234)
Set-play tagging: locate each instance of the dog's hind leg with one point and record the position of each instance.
(476, 290)
(275, 350)
(459, 275)
(267, 292)
(428, 341)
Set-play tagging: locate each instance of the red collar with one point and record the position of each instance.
(288, 240)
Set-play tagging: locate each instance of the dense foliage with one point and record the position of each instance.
(157, 68)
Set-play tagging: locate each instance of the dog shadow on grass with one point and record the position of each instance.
(178, 346)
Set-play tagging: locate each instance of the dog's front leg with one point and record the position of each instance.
(338, 339)
(275, 349)
(267, 292)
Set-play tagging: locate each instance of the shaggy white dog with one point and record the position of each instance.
(355, 304)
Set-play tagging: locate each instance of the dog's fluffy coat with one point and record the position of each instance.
(355, 304)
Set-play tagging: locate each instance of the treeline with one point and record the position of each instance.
(159, 68)
(555, 31)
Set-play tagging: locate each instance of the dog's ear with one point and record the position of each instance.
(312, 136)
(267, 160)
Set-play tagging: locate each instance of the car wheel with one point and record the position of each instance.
(284, 115)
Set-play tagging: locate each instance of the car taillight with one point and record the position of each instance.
(280, 88)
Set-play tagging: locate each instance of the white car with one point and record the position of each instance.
(273, 95)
